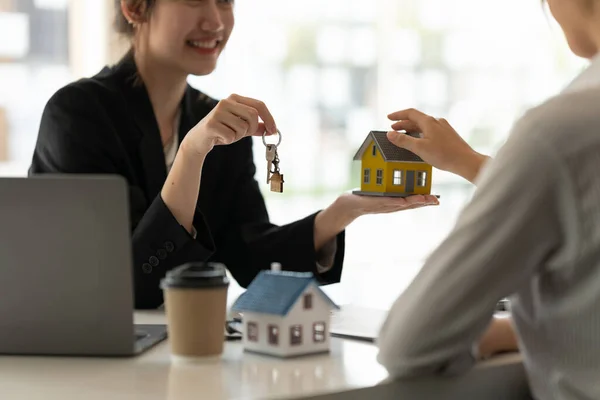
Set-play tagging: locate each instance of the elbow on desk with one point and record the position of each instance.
(401, 362)
(398, 355)
(407, 356)
(403, 365)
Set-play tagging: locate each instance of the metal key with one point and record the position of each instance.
(274, 177)
(271, 155)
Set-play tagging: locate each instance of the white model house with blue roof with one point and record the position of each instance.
(285, 314)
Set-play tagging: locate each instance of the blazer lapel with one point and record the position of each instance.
(151, 151)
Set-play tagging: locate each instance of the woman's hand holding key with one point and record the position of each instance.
(231, 120)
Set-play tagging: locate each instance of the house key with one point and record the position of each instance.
(271, 153)
(273, 175)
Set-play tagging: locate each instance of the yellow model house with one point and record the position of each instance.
(388, 170)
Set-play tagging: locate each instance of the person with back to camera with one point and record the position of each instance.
(530, 232)
(187, 158)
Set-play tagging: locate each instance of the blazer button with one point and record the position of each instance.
(153, 261)
(161, 253)
(169, 246)
(147, 268)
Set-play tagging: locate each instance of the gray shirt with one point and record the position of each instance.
(531, 232)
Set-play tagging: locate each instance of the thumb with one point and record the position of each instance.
(403, 140)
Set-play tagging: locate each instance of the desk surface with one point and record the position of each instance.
(238, 375)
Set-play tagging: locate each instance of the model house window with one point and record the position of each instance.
(319, 332)
(308, 301)
(296, 335)
(397, 177)
(273, 335)
(421, 178)
(252, 332)
(374, 150)
(379, 177)
(367, 176)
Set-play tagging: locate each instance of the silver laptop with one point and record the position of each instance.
(66, 284)
(356, 322)
(363, 323)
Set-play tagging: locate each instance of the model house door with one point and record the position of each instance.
(410, 181)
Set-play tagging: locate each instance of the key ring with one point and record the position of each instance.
(265, 142)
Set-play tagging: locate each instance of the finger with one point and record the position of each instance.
(262, 109)
(422, 199)
(416, 199)
(261, 129)
(415, 206)
(237, 124)
(226, 133)
(404, 141)
(248, 114)
(444, 122)
(411, 114)
(405, 125)
(431, 199)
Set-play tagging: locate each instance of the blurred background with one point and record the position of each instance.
(330, 71)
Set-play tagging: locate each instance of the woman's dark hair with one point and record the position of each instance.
(142, 7)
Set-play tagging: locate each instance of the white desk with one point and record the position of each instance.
(238, 375)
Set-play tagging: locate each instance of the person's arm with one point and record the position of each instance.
(438, 143)
(79, 134)
(312, 244)
(251, 243)
(514, 225)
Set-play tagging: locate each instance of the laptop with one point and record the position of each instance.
(364, 323)
(357, 322)
(66, 279)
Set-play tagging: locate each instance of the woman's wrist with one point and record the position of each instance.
(331, 221)
(470, 165)
(195, 151)
(343, 211)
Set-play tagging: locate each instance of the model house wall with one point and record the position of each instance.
(372, 161)
(299, 320)
(401, 170)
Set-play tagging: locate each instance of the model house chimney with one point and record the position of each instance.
(275, 266)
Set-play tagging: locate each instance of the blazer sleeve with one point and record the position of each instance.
(252, 242)
(78, 135)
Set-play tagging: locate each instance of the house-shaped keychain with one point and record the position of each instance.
(388, 170)
(285, 314)
(276, 181)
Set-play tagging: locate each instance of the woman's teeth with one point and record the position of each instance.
(206, 44)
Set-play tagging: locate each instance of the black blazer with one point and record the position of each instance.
(106, 125)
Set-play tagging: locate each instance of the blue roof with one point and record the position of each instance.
(276, 292)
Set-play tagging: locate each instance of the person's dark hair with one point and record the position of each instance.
(142, 7)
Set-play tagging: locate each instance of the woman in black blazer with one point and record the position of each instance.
(187, 157)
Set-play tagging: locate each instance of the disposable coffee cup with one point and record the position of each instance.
(195, 304)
